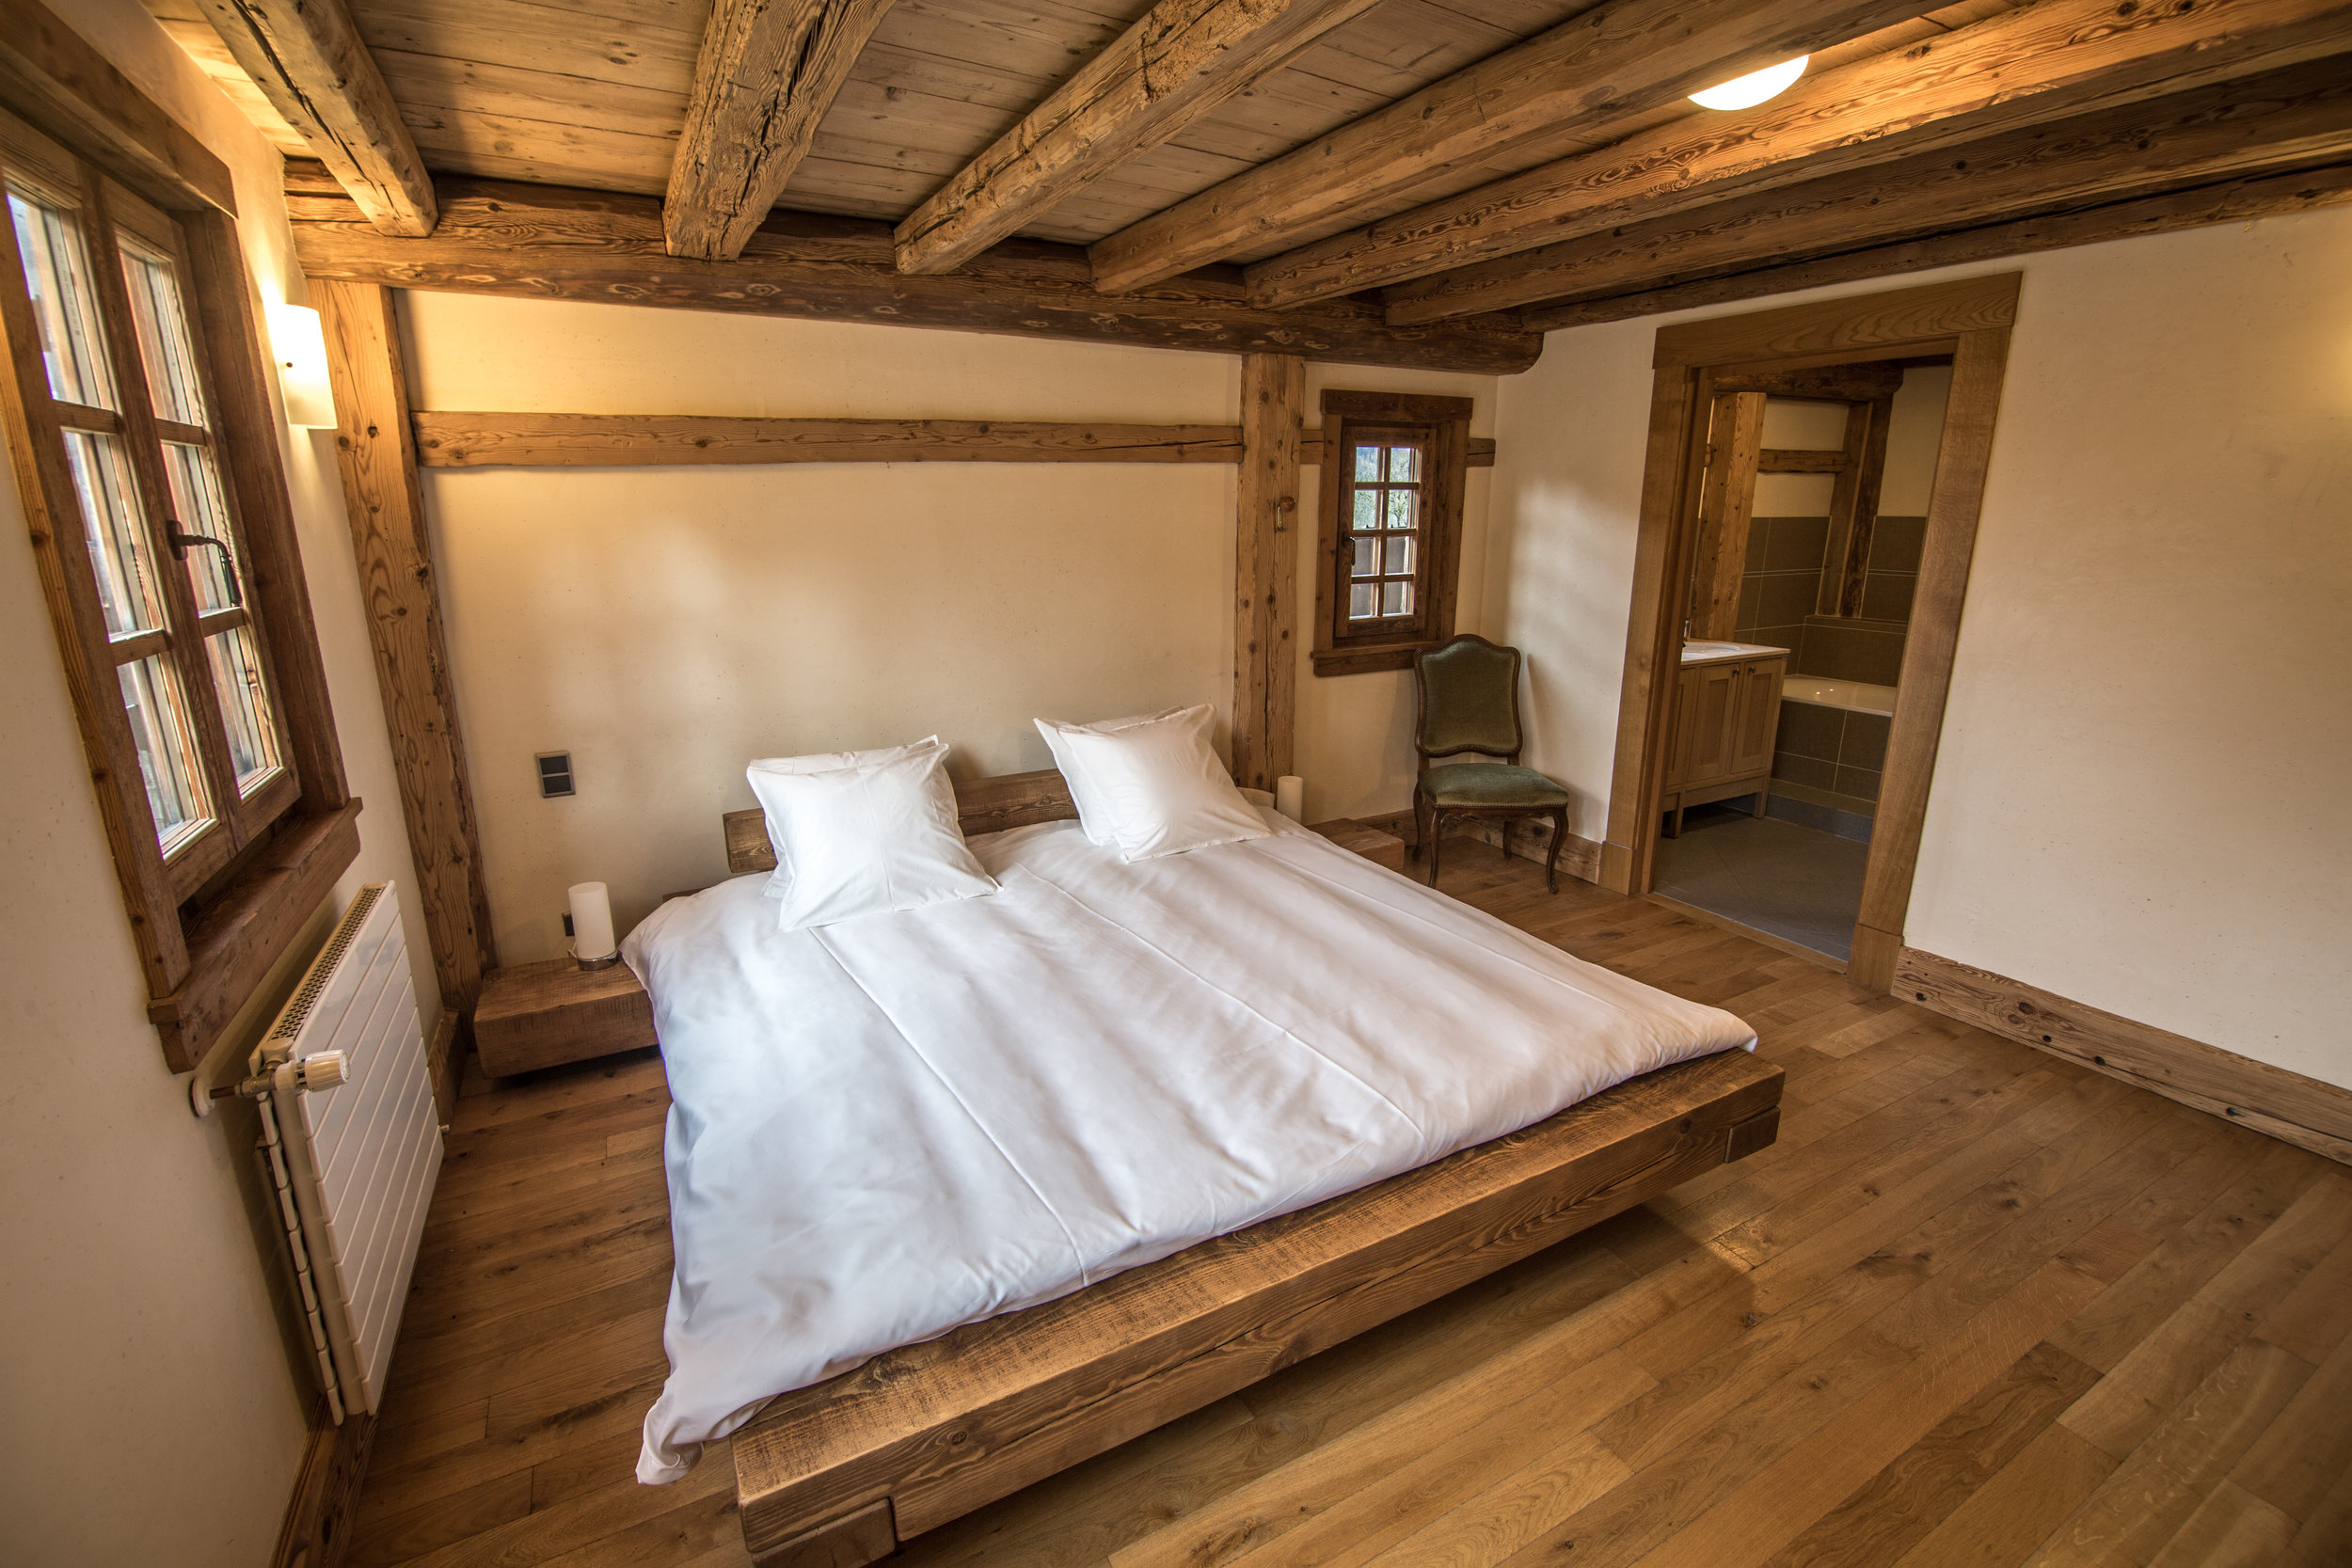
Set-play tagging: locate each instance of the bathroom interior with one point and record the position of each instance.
(1812, 514)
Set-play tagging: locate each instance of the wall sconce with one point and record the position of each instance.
(1746, 92)
(300, 344)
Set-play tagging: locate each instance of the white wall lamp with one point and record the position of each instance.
(299, 342)
(1746, 92)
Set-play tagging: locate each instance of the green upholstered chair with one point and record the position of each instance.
(1470, 704)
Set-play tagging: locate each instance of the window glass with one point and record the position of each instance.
(117, 529)
(162, 323)
(245, 707)
(197, 501)
(57, 275)
(167, 753)
(1367, 461)
(1385, 485)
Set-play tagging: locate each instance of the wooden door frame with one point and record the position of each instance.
(1969, 319)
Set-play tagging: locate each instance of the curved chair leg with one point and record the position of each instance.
(1437, 836)
(1559, 836)
(1420, 825)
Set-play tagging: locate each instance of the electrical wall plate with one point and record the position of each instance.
(555, 773)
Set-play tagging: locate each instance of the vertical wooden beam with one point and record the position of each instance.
(389, 536)
(1734, 438)
(1265, 567)
(1953, 507)
(1853, 508)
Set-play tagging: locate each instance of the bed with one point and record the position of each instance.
(966, 1193)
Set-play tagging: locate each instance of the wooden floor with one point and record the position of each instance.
(1976, 1306)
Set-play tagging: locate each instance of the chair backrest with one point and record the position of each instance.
(1470, 699)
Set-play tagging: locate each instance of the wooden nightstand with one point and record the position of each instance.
(544, 1014)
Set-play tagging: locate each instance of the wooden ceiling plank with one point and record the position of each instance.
(1615, 60)
(2300, 117)
(769, 73)
(306, 57)
(2022, 67)
(2233, 201)
(534, 242)
(1181, 60)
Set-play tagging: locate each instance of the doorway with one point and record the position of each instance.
(1763, 778)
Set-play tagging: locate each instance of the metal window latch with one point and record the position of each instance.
(180, 539)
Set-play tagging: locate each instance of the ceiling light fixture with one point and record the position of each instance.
(1746, 92)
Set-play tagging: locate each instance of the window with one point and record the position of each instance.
(1393, 472)
(133, 466)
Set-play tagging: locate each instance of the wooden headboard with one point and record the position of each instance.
(982, 806)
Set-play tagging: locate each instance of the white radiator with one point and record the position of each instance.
(352, 1143)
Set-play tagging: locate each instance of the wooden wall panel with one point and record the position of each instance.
(1266, 577)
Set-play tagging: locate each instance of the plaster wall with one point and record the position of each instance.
(666, 623)
(2134, 802)
(144, 1312)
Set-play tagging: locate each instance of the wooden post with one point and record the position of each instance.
(377, 453)
(1735, 438)
(1265, 566)
(1853, 508)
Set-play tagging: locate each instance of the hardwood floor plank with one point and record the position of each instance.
(2003, 1522)
(2309, 1448)
(2325, 1539)
(2230, 1530)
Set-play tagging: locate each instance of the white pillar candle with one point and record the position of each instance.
(591, 923)
(1290, 797)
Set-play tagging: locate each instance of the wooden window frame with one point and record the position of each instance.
(1440, 426)
(210, 921)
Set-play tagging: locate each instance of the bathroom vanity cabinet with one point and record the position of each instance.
(1727, 714)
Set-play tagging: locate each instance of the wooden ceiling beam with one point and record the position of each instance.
(543, 242)
(309, 60)
(2233, 201)
(767, 72)
(1618, 59)
(2026, 67)
(1180, 60)
(2302, 117)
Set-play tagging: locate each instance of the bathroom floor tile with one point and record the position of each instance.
(1797, 884)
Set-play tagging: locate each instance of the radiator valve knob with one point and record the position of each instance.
(324, 1070)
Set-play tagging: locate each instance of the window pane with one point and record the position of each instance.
(1397, 599)
(1403, 463)
(245, 707)
(56, 274)
(1360, 599)
(162, 319)
(1367, 463)
(1367, 511)
(1367, 562)
(1399, 557)
(1401, 508)
(195, 497)
(112, 518)
(159, 728)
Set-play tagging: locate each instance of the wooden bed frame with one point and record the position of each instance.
(836, 1475)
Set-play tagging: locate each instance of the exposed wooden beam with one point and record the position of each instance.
(1735, 440)
(767, 72)
(307, 58)
(1799, 460)
(385, 504)
(2298, 117)
(540, 242)
(468, 441)
(1265, 567)
(457, 439)
(1825, 383)
(1853, 507)
(2233, 201)
(50, 74)
(2024, 67)
(1618, 59)
(1180, 60)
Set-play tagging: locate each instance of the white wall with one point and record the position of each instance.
(2134, 805)
(664, 625)
(155, 1413)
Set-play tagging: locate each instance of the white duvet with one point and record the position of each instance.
(893, 1126)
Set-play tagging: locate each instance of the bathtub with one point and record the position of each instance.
(1857, 695)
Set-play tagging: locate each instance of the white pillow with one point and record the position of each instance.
(864, 840)
(826, 761)
(1160, 787)
(1094, 816)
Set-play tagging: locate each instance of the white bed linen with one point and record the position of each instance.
(888, 1127)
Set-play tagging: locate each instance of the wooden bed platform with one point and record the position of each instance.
(837, 1474)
